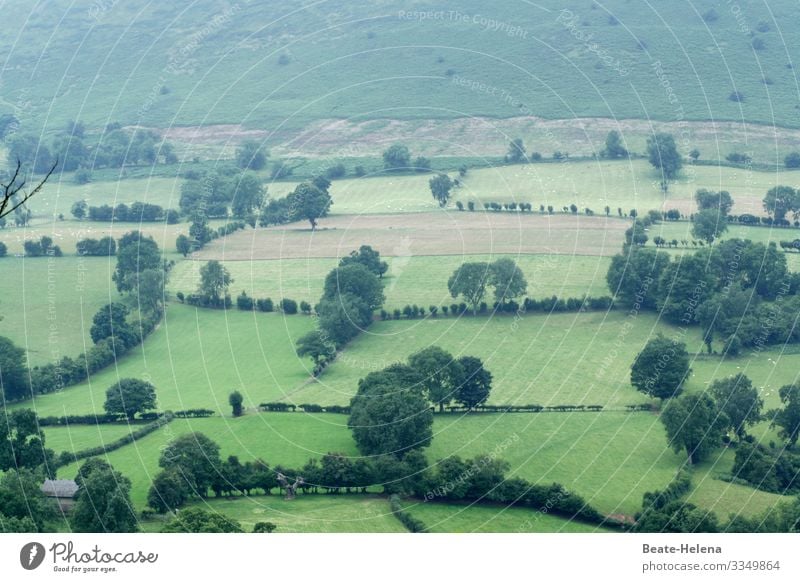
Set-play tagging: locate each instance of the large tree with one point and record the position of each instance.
(195, 457)
(314, 346)
(368, 257)
(355, 279)
(441, 372)
(739, 400)
(781, 200)
(507, 279)
(397, 157)
(708, 225)
(475, 383)
(788, 417)
(135, 253)
(130, 396)
(168, 491)
(661, 368)
(633, 275)
(389, 413)
(22, 443)
(248, 195)
(694, 423)
(102, 503)
(309, 202)
(110, 322)
(470, 280)
(710, 200)
(440, 186)
(664, 156)
(342, 317)
(214, 281)
(14, 379)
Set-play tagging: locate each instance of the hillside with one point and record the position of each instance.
(276, 67)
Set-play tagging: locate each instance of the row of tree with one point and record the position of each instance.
(135, 212)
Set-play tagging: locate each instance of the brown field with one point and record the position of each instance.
(433, 233)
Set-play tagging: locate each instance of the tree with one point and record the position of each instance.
(368, 257)
(507, 279)
(397, 157)
(110, 322)
(12, 193)
(342, 317)
(614, 148)
(195, 457)
(516, 151)
(248, 195)
(21, 499)
(80, 209)
(135, 253)
(168, 491)
(235, 400)
(739, 401)
(440, 186)
(664, 156)
(708, 225)
(660, 369)
(102, 503)
(475, 383)
(150, 290)
(196, 520)
(22, 444)
(788, 418)
(780, 200)
(183, 244)
(694, 423)
(129, 396)
(709, 200)
(264, 527)
(315, 347)
(214, 281)
(389, 415)
(250, 156)
(470, 280)
(441, 372)
(355, 279)
(633, 275)
(310, 203)
(199, 230)
(14, 380)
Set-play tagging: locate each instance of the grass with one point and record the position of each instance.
(540, 359)
(305, 513)
(420, 280)
(356, 66)
(79, 437)
(47, 303)
(455, 518)
(279, 439)
(196, 358)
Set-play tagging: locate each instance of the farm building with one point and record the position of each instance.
(62, 490)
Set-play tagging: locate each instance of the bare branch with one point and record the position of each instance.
(11, 189)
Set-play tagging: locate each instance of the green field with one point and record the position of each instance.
(79, 437)
(454, 518)
(47, 304)
(538, 359)
(196, 358)
(420, 280)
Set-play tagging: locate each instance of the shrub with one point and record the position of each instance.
(264, 305)
(244, 303)
(288, 306)
(305, 307)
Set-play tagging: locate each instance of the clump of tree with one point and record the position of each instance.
(90, 247)
(251, 156)
(516, 152)
(663, 155)
(470, 281)
(694, 424)
(309, 201)
(22, 443)
(198, 520)
(782, 200)
(44, 247)
(103, 502)
(368, 257)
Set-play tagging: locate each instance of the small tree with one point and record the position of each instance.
(475, 384)
(661, 368)
(708, 225)
(614, 148)
(129, 396)
(440, 185)
(235, 400)
(80, 209)
(516, 151)
(664, 156)
(264, 527)
(214, 281)
(314, 346)
(183, 244)
(309, 202)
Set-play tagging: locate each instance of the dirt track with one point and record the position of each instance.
(436, 233)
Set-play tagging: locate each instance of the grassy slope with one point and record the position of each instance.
(220, 65)
(79, 437)
(196, 358)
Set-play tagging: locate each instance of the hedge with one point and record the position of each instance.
(410, 522)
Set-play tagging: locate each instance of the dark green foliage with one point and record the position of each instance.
(788, 417)
(14, 381)
(614, 149)
(43, 247)
(244, 302)
(516, 151)
(235, 400)
(440, 372)
(440, 186)
(247, 195)
(196, 458)
(389, 414)
(105, 247)
(633, 275)
(168, 491)
(102, 503)
(314, 346)
(22, 444)
(661, 368)
(397, 157)
(23, 506)
(110, 322)
(251, 156)
(288, 306)
(357, 280)
(214, 282)
(410, 522)
(664, 156)
(708, 225)
(781, 200)
(694, 424)
(309, 202)
(196, 520)
(470, 281)
(776, 471)
(507, 279)
(709, 200)
(130, 396)
(739, 401)
(475, 383)
(135, 253)
(264, 527)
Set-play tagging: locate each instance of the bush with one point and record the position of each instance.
(305, 307)
(311, 408)
(264, 305)
(288, 306)
(276, 407)
(411, 523)
(244, 303)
